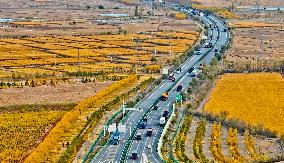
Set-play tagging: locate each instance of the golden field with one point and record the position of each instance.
(257, 99)
(20, 131)
(251, 24)
(53, 55)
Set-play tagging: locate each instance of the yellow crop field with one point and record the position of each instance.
(19, 132)
(257, 99)
(251, 24)
(106, 53)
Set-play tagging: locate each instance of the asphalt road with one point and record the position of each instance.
(113, 153)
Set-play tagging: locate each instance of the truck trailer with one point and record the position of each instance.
(115, 138)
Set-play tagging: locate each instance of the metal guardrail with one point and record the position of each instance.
(160, 143)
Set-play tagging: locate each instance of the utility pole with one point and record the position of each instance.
(261, 47)
(78, 60)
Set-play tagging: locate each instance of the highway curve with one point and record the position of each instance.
(121, 152)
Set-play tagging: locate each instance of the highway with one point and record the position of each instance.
(114, 153)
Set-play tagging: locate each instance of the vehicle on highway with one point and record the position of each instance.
(178, 71)
(134, 155)
(165, 114)
(165, 96)
(172, 77)
(115, 137)
(197, 52)
(149, 132)
(139, 134)
(162, 121)
(190, 70)
(143, 124)
(208, 45)
(155, 107)
(179, 88)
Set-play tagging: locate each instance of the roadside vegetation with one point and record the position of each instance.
(70, 120)
(181, 139)
(222, 12)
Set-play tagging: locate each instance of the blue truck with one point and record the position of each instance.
(115, 137)
(143, 124)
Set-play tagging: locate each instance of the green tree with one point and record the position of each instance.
(153, 59)
(32, 83)
(27, 83)
(136, 11)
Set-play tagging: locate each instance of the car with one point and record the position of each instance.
(178, 71)
(208, 45)
(215, 50)
(225, 30)
(134, 155)
(215, 26)
(149, 132)
(190, 70)
(197, 52)
(155, 107)
(179, 88)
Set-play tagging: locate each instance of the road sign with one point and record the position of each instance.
(178, 97)
(112, 127)
(122, 128)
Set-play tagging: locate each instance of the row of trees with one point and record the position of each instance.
(44, 149)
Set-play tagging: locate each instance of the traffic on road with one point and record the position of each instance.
(144, 128)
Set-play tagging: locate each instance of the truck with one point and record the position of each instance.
(115, 137)
(179, 88)
(190, 69)
(134, 155)
(143, 124)
(165, 96)
(162, 121)
(139, 134)
(165, 114)
(149, 132)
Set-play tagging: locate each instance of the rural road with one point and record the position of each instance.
(115, 153)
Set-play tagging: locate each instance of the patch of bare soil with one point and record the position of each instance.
(63, 93)
(248, 47)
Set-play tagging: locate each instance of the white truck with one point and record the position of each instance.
(162, 121)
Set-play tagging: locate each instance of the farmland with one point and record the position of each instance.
(110, 54)
(256, 99)
(246, 45)
(15, 140)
